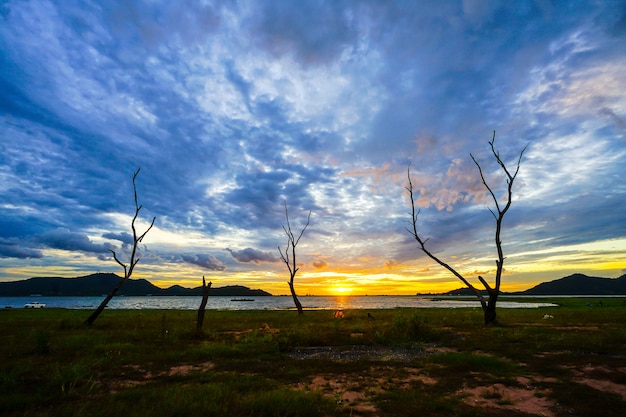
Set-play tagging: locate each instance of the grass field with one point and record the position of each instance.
(402, 362)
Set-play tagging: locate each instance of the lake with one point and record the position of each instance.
(261, 303)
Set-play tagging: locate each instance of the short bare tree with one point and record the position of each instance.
(290, 259)
(128, 269)
(205, 297)
(488, 306)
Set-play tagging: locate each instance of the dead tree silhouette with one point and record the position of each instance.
(290, 260)
(128, 269)
(489, 305)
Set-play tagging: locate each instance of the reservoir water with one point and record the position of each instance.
(262, 303)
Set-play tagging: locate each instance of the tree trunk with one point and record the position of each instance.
(295, 299)
(202, 308)
(490, 309)
(104, 303)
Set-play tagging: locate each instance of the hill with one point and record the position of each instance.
(580, 284)
(101, 283)
(576, 284)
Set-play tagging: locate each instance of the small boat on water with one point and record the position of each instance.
(34, 304)
(242, 299)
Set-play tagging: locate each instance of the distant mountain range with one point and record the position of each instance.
(101, 284)
(577, 284)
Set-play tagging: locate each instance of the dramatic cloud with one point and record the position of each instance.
(232, 109)
(15, 250)
(390, 263)
(205, 261)
(320, 264)
(125, 238)
(252, 255)
(61, 238)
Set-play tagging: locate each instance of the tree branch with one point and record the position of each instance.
(422, 242)
(128, 269)
(501, 210)
(290, 261)
(118, 261)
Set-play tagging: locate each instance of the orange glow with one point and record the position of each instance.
(342, 290)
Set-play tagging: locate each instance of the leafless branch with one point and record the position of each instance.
(422, 242)
(128, 269)
(290, 260)
(501, 208)
(118, 261)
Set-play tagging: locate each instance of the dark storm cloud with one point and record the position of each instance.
(320, 264)
(248, 255)
(258, 201)
(570, 224)
(314, 32)
(125, 238)
(205, 261)
(258, 196)
(15, 249)
(62, 238)
(142, 25)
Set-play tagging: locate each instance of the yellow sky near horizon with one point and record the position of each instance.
(522, 271)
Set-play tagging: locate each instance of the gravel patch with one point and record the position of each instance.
(355, 353)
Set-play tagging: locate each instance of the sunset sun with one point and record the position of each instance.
(342, 290)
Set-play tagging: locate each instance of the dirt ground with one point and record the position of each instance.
(357, 391)
(527, 396)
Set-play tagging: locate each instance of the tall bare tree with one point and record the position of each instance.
(289, 256)
(128, 269)
(501, 208)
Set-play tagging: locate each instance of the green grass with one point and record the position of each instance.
(127, 362)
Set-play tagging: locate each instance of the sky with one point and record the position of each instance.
(232, 109)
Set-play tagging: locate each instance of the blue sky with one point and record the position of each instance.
(232, 108)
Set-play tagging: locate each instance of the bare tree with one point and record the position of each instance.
(488, 306)
(290, 260)
(128, 269)
(202, 309)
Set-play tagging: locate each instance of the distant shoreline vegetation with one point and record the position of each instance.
(101, 283)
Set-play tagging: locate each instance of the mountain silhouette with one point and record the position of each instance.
(576, 284)
(580, 284)
(102, 283)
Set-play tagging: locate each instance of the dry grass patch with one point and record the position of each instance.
(357, 352)
(589, 374)
(604, 386)
(140, 376)
(358, 392)
(187, 369)
(528, 399)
